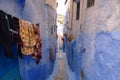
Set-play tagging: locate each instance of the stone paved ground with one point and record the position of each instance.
(61, 70)
(61, 65)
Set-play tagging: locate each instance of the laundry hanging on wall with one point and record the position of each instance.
(9, 63)
(24, 33)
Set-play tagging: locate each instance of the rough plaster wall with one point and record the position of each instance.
(42, 16)
(52, 3)
(34, 11)
(75, 23)
(100, 38)
(13, 7)
(38, 15)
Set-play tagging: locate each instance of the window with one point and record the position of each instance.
(52, 30)
(78, 11)
(90, 3)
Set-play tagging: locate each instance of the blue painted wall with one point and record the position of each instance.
(97, 50)
(9, 67)
(36, 12)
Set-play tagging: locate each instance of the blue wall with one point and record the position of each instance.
(107, 57)
(105, 63)
(9, 67)
(34, 11)
(97, 50)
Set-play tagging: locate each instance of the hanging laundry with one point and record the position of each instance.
(5, 40)
(30, 36)
(13, 26)
(16, 31)
(37, 53)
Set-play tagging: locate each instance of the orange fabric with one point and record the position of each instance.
(28, 37)
(37, 52)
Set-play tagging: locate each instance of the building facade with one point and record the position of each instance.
(95, 54)
(43, 13)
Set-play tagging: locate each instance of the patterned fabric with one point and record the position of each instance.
(28, 37)
(37, 53)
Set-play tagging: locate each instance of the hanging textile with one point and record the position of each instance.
(30, 36)
(13, 24)
(37, 53)
(9, 67)
(23, 33)
(9, 32)
(14, 29)
(5, 40)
